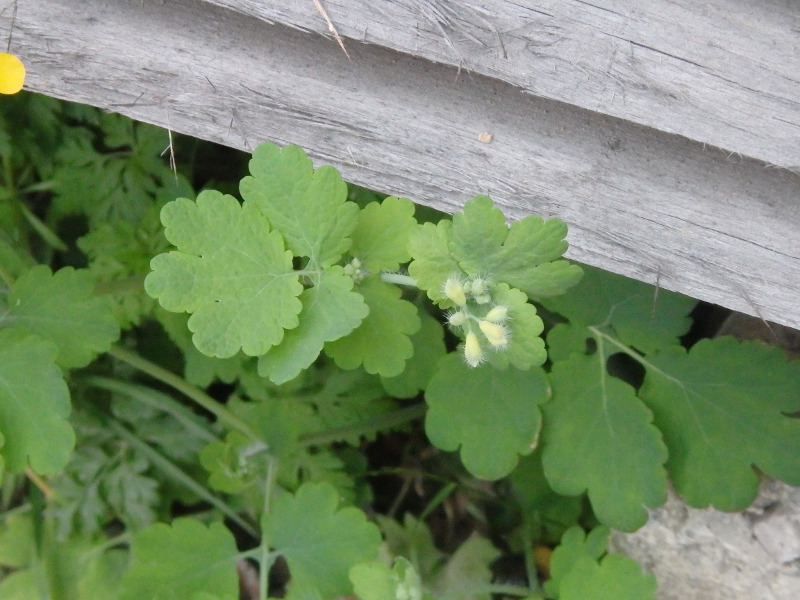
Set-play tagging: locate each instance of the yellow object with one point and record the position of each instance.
(12, 74)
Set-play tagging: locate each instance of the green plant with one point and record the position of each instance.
(309, 321)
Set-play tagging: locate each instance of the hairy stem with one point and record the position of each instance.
(399, 279)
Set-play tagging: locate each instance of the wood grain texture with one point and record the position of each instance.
(721, 72)
(639, 201)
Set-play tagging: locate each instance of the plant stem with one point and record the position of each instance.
(399, 279)
(178, 383)
(266, 559)
(387, 421)
(40, 483)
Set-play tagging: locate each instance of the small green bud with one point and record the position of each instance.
(483, 299)
(498, 314)
(454, 290)
(473, 353)
(497, 335)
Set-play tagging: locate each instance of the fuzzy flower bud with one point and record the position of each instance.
(457, 319)
(479, 287)
(497, 335)
(473, 353)
(454, 290)
(498, 314)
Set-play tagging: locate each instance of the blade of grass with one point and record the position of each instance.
(176, 473)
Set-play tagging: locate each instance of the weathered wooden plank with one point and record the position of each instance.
(721, 72)
(638, 201)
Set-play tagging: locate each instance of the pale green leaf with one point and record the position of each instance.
(231, 271)
(382, 342)
(308, 207)
(523, 256)
(525, 347)
(380, 240)
(598, 436)
(320, 541)
(331, 310)
(433, 262)
(198, 368)
(373, 581)
(492, 416)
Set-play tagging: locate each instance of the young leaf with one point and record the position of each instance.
(319, 542)
(522, 256)
(574, 545)
(467, 569)
(616, 577)
(412, 538)
(381, 343)
(380, 240)
(34, 405)
(525, 348)
(640, 317)
(722, 408)
(308, 207)
(492, 416)
(599, 437)
(433, 262)
(60, 307)
(331, 310)
(230, 463)
(231, 271)
(374, 581)
(180, 560)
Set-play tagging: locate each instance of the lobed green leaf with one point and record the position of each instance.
(598, 436)
(308, 207)
(641, 315)
(231, 271)
(320, 541)
(492, 416)
(382, 342)
(34, 405)
(723, 408)
(522, 256)
(331, 310)
(181, 560)
(380, 240)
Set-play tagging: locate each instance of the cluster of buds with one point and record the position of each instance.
(481, 322)
(355, 269)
